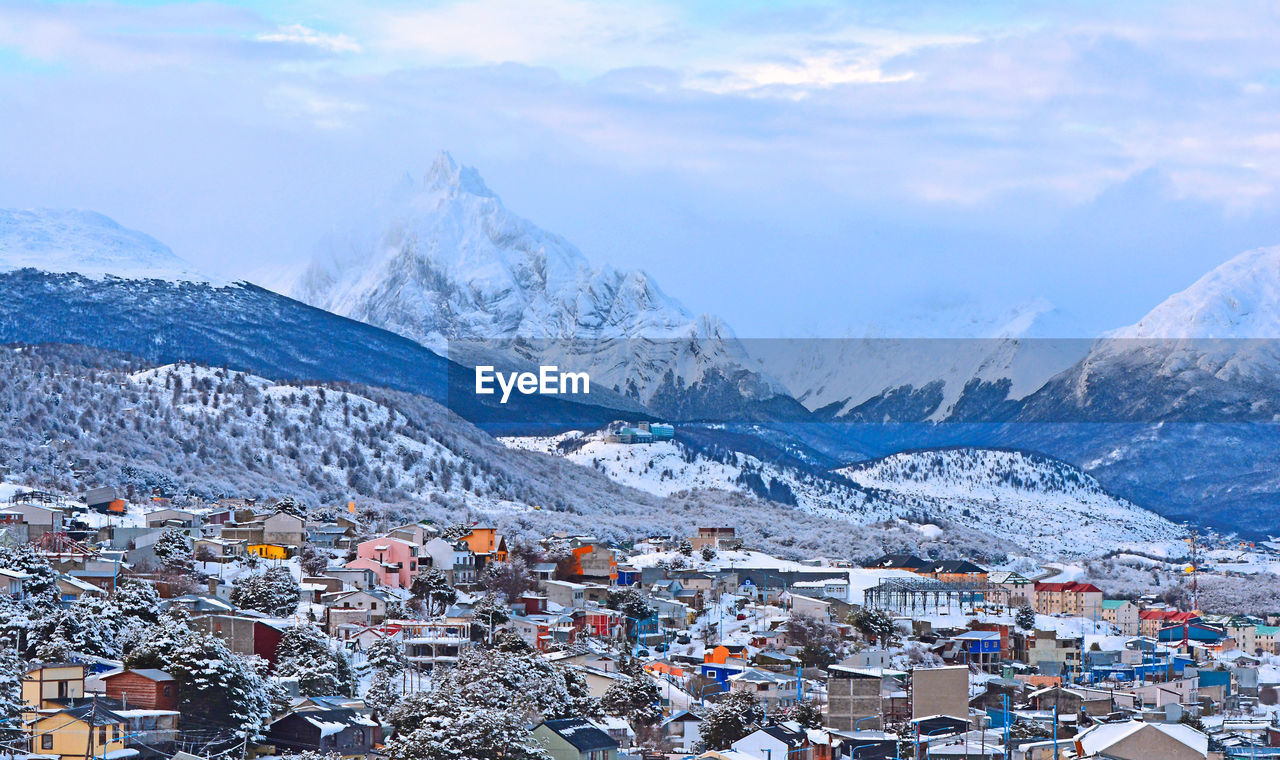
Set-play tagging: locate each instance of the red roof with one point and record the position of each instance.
(1172, 616)
(1073, 586)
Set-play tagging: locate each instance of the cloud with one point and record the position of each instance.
(297, 34)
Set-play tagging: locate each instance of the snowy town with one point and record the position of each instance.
(152, 629)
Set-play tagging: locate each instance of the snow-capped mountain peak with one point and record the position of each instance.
(86, 243)
(1239, 299)
(446, 174)
(447, 265)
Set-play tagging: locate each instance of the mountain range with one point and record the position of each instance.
(1174, 412)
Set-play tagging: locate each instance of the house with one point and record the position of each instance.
(83, 732)
(39, 519)
(284, 529)
(415, 533)
(955, 571)
(774, 690)
(1073, 599)
(144, 688)
(45, 683)
(428, 643)
(454, 558)
(488, 546)
(394, 561)
(341, 731)
(909, 562)
(1011, 589)
(1135, 740)
(575, 739)
(777, 741)
(71, 589)
(1123, 614)
(217, 549)
(165, 518)
(13, 583)
(374, 602)
(566, 594)
(356, 577)
(683, 730)
(1055, 655)
(716, 538)
(1151, 621)
(853, 697)
(270, 551)
(105, 500)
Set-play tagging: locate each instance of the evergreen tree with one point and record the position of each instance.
(305, 653)
(432, 586)
(173, 549)
(473, 734)
(215, 687)
(635, 698)
(1025, 617)
(383, 693)
(735, 716)
(387, 656)
(290, 505)
(488, 614)
(11, 707)
(272, 592)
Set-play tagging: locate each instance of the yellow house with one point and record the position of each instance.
(78, 733)
(52, 681)
(269, 551)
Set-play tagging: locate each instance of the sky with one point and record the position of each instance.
(800, 169)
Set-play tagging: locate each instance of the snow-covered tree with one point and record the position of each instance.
(432, 586)
(387, 656)
(11, 707)
(272, 592)
(173, 549)
(1025, 618)
(307, 654)
(472, 734)
(635, 698)
(487, 615)
(220, 687)
(735, 716)
(383, 692)
(290, 505)
(511, 579)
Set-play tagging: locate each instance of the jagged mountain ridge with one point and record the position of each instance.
(449, 266)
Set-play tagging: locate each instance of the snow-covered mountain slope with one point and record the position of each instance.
(957, 364)
(1206, 354)
(86, 243)
(1045, 507)
(1235, 301)
(73, 418)
(1043, 502)
(449, 266)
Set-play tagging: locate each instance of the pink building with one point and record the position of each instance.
(393, 560)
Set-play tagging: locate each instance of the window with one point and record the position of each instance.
(167, 690)
(46, 741)
(102, 735)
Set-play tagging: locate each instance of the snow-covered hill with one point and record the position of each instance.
(86, 243)
(1043, 502)
(1046, 507)
(449, 266)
